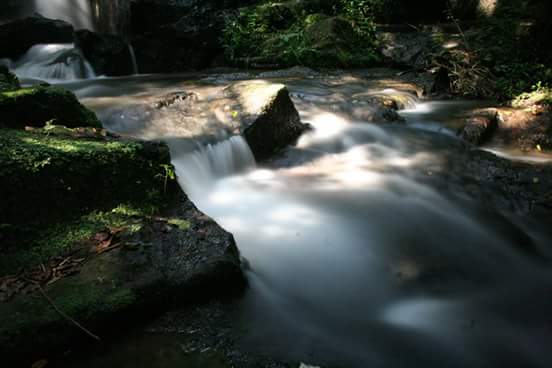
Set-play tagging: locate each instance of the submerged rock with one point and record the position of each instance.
(18, 36)
(34, 106)
(269, 120)
(108, 54)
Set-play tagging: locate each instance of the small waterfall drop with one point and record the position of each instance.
(76, 12)
(135, 70)
(199, 170)
(52, 62)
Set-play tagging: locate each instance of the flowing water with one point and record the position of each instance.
(76, 12)
(357, 255)
(51, 62)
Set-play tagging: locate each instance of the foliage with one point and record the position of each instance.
(540, 94)
(278, 33)
(361, 14)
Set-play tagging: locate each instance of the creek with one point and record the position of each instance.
(362, 248)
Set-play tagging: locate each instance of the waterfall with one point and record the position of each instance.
(198, 170)
(76, 12)
(133, 59)
(52, 62)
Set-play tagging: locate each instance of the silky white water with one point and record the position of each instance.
(76, 12)
(52, 62)
(356, 263)
(362, 245)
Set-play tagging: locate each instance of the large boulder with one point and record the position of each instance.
(18, 36)
(34, 106)
(269, 120)
(108, 54)
(156, 264)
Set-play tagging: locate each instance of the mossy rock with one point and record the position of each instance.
(8, 81)
(48, 178)
(34, 106)
(330, 32)
(157, 267)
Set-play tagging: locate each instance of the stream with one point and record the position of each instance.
(359, 252)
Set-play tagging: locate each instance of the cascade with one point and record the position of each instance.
(51, 62)
(133, 59)
(76, 12)
(202, 168)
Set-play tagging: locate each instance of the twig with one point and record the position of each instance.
(61, 313)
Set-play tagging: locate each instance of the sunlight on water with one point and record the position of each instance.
(350, 255)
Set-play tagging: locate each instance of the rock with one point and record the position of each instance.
(18, 36)
(269, 120)
(479, 129)
(332, 38)
(8, 81)
(108, 54)
(407, 49)
(34, 106)
(527, 129)
(47, 178)
(155, 268)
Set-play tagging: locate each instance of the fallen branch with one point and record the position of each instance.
(61, 313)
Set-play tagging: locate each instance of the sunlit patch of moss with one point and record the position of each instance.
(36, 105)
(540, 95)
(180, 223)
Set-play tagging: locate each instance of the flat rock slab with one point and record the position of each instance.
(260, 110)
(163, 264)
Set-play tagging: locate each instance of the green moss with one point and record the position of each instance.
(180, 223)
(540, 95)
(34, 106)
(48, 179)
(59, 238)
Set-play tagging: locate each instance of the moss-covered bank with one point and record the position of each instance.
(34, 106)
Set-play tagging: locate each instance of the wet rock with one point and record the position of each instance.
(108, 54)
(269, 120)
(34, 106)
(8, 81)
(150, 272)
(479, 129)
(18, 36)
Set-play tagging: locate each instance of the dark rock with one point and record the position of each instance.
(269, 119)
(18, 36)
(8, 81)
(441, 82)
(179, 36)
(331, 37)
(34, 106)
(160, 267)
(479, 129)
(108, 54)
(410, 50)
